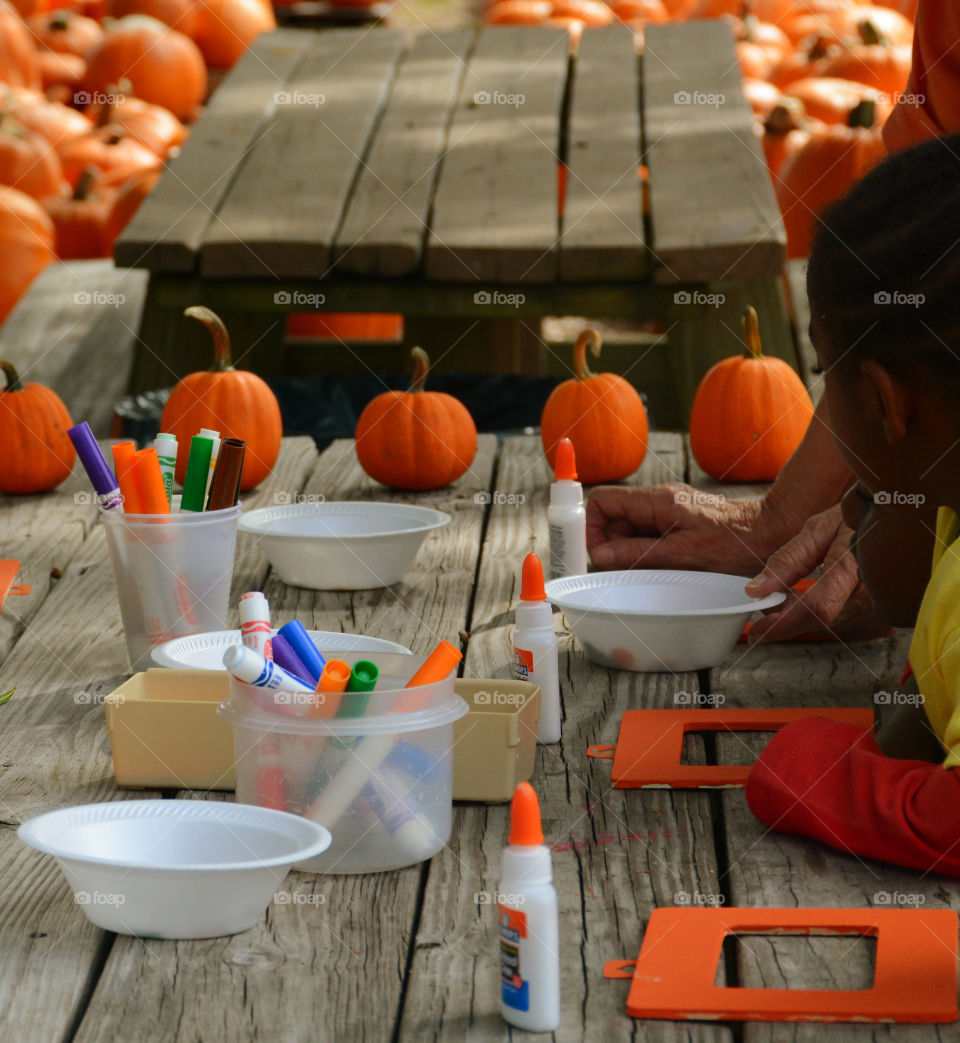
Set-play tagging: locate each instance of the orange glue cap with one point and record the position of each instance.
(531, 583)
(565, 462)
(525, 828)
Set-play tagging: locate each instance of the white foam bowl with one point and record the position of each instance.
(656, 620)
(342, 546)
(205, 651)
(174, 868)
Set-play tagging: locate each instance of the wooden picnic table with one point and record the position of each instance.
(413, 954)
(359, 170)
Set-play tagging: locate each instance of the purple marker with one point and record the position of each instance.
(95, 464)
(284, 656)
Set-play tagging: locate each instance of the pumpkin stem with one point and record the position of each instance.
(5, 697)
(751, 333)
(863, 114)
(870, 34)
(580, 367)
(221, 339)
(59, 20)
(13, 377)
(421, 367)
(783, 118)
(85, 182)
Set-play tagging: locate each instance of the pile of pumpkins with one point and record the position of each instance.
(95, 95)
(821, 76)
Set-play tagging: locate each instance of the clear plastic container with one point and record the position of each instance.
(382, 783)
(172, 574)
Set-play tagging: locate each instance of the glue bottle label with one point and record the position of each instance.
(558, 552)
(514, 991)
(522, 664)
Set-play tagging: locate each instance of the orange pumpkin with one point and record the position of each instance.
(27, 161)
(234, 402)
(80, 220)
(642, 11)
(63, 72)
(149, 125)
(602, 415)
(822, 170)
(178, 14)
(108, 149)
(37, 452)
(762, 96)
(874, 61)
(127, 202)
(843, 21)
(416, 439)
(226, 28)
(806, 60)
(65, 32)
(591, 12)
(518, 12)
(19, 66)
(831, 100)
(26, 245)
(785, 131)
(163, 66)
(50, 120)
(749, 414)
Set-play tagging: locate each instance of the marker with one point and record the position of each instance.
(195, 480)
(251, 668)
(153, 496)
(214, 437)
(166, 447)
(95, 464)
(306, 650)
(225, 486)
(123, 454)
(363, 680)
(333, 681)
(286, 658)
(436, 667)
(255, 623)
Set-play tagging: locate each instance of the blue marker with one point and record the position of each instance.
(285, 657)
(306, 651)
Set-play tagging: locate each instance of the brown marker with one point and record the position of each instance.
(225, 485)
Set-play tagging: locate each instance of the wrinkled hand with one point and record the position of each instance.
(673, 526)
(837, 604)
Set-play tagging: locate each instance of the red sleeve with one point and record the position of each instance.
(827, 780)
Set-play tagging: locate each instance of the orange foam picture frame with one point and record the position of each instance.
(915, 975)
(8, 570)
(650, 744)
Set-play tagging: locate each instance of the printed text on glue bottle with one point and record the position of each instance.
(535, 648)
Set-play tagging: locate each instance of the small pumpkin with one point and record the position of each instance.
(19, 66)
(226, 28)
(60, 73)
(593, 13)
(602, 415)
(37, 452)
(874, 61)
(80, 219)
(127, 202)
(762, 96)
(518, 12)
(52, 120)
(109, 149)
(65, 32)
(26, 245)
(27, 161)
(152, 126)
(749, 414)
(831, 100)
(235, 402)
(178, 14)
(785, 131)
(416, 439)
(640, 11)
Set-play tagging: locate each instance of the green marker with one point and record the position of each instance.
(363, 679)
(166, 447)
(195, 480)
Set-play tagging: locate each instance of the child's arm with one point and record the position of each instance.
(830, 781)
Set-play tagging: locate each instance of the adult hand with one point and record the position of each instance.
(675, 526)
(837, 604)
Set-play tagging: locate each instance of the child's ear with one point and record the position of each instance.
(892, 399)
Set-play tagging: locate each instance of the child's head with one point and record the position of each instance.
(884, 288)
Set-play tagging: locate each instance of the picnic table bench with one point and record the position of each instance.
(413, 954)
(363, 171)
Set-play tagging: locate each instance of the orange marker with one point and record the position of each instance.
(123, 460)
(333, 680)
(435, 668)
(153, 494)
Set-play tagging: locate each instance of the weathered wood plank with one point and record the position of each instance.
(713, 212)
(75, 311)
(616, 854)
(166, 232)
(386, 221)
(285, 205)
(495, 212)
(602, 223)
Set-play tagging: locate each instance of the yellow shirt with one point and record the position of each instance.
(935, 649)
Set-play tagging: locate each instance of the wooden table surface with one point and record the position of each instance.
(413, 954)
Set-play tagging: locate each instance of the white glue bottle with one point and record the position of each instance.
(567, 516)
(535, 648)
(529, 927)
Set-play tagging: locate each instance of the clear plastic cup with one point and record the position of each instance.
(172, 573)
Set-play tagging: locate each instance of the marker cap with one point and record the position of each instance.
(195, 480)
(123, 462)
(226, 477)
(153, 494)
